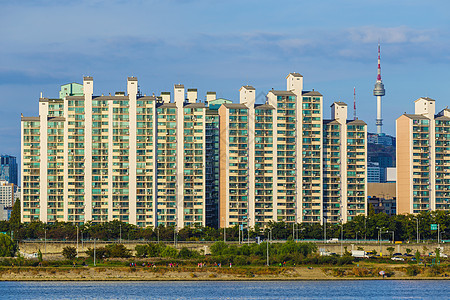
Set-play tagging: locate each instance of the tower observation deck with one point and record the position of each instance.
(379, 92)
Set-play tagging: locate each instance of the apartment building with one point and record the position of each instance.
(137, 159)
(423, 159)
(6, 194)
(174, 160)
(280, 161)
(344, 166)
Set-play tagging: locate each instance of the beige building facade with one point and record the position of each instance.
(280, 161)
(174, 160)
(127, 157)
(423, 159)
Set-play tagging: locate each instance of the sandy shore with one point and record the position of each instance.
(193, 274)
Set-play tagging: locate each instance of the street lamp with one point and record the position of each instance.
(224, 232)
(175, 233)
(94, 252)
(342, 238)
(324, 229)
(248, 231)
(77, 240)
(158, 233)
(379, 236)
(417, 220)
(120, 233)
(357, 236)
(45, 240)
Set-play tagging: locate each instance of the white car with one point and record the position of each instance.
(398, 258)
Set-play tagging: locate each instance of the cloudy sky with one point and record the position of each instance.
(222, 45)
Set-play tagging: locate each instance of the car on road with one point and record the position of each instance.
(398, 258)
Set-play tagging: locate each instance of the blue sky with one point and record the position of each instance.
(222, 45)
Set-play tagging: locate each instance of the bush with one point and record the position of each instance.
(169, 252)
(412, 271)
(155, 250)
(185, 253)
(118, 250)
(217, 248)
(240, 260)
(141, 250)
(7, 246)
(69, 252)
(345, 260)
(100, 252)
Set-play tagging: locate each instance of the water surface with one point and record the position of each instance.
(348, 289)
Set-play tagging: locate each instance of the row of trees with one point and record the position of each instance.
(404, 228)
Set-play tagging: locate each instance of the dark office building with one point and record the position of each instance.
(8, 169)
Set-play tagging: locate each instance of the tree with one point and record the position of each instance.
(371, 211)
(14, 220)
(118, 250)
(417, 255)
(40, 255)
(391, 250)
(438, 254)
(69, 252)
(7, 247)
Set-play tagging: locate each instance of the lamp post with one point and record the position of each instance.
(324, 229)
(342, 238)
(45, 240)
(248, 231)
(77, 240)
(94, 252)
(224, 232)
(175, 233)
(269, 238)
(379, 237)
(357, 236)
(120, 233)
(417, 230)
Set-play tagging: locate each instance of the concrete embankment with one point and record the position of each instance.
(54, 248)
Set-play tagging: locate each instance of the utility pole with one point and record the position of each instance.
(77, 240)
(94, 252)
(248, 231)
(417, 232)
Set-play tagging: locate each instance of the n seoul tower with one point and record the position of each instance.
(379, 92)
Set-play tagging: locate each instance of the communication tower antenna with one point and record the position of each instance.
(354, 103)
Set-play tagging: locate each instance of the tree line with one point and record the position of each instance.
(403, 227)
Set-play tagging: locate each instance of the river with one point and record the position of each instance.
(345, 289)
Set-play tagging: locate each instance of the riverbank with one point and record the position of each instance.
(399, 272)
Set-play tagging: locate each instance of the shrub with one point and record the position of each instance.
(155, 250)
(69, 252)
(169, 252)
(100, 252)
(412, 271)
(345, 260)
(118, 250)
(240, 260)
(141, 250)
(185, 253)
(7, 246)
(217, 248)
